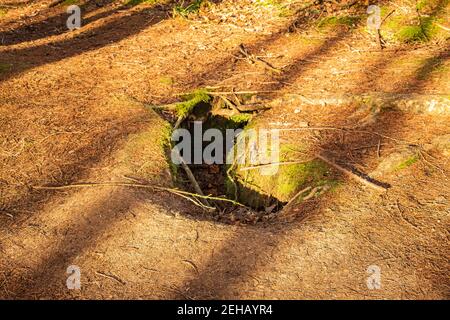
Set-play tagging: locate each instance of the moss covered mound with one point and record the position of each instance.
(263, 184)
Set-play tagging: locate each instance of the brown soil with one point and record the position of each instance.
(69, 114)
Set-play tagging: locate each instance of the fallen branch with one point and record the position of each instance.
(134, 185)
(55, 3)
(293, 199)
(111, 276)
(191, 177)
(221, 93)
(195, 201)
(178, 122)
(230, 104)
(255, 107)
(170, 106)
(8, 6)
(363, 178)
(255, 59)
(442, 27)
(274, 164)
(380, 39)
(419, 17)
(315, 191)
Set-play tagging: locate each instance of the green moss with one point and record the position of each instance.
(292, 177)
(350, 21)
(418, 33)
(278, 6)
(70, 2)
(405, 27)
(190, 101)
(246, 97)
(428, 66)
(241, 118)
(166, 146)
(222, 123)
(145, 154)
(408, 162)
(137, 2)
(257, 190)
(409, 29)
(4, 67)
(184, 11)
(421, 4)
(166, 132)
(308, 40)
(168, 81)
(3, 12)
(332, 184)
(230, 188)
(393, 23)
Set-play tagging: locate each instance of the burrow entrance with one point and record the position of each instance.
(245, 200)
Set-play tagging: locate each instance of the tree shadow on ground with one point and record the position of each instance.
(124, 26)
(54, 24)
(82, 235)
(115, 31)
(206, 284)
(225, 271)
(59, 259)
(219, 276)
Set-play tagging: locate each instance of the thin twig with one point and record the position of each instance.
(230, 104)
(380, 39)
(422, 154)
(7, 214)
(312, 193)
(219, 93)
(190, 176)
(178, 123)
(111, 276)
(255, 59)
(442, 27)
(347, 130)
(355, 175)
(55, 3)
(379, 148)
(192, 264)
(274, 164)
(195, 201)
(238, 102)
(133, 185)
(294, 198)
(385, 18)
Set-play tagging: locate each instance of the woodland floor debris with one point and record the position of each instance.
(67, 119)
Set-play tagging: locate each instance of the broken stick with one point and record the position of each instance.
(359, 176)
(255, 59)
(191, 177)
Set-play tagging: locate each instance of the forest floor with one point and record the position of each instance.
(72, 108)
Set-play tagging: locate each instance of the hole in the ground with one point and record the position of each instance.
(214, 180)
(247, 202)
